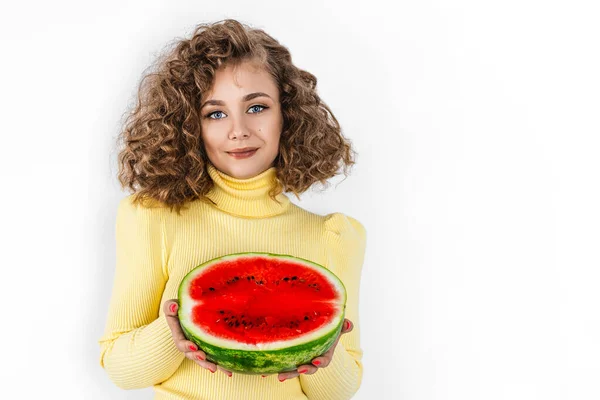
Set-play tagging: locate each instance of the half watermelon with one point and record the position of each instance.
(261, 313)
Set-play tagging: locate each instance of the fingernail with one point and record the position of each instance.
(173, 307)
(281, 380)
(229, 374)
(212, 370)
(302, 371)
(347, 325)
(200, 357)
(317, 362)
(264, 376)
(193, 348)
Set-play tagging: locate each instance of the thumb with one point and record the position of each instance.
(170, 307)
(347, 326)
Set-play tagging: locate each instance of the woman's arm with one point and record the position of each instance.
(137, 349)
(346, 239)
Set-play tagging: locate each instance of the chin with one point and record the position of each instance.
(241, 171)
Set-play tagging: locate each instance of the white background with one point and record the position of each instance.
(477, 129)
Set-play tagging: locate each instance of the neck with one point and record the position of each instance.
(246, 197)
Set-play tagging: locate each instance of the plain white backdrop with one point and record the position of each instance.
(477, 180)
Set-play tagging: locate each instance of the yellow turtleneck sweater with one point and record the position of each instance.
(156, 248)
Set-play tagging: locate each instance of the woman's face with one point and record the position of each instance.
(241, 110)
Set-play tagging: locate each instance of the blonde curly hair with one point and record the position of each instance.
(163, 157)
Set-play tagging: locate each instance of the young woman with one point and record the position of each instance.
(223, 128)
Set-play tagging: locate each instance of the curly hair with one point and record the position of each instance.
(163, 157)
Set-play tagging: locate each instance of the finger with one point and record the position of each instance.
(306, 369)
(196, 355)
(324, 359)
(348, 326)
(170, 308)
(212, 367)
(287, 375)
(225, 371)
(180, 341)
(173, 322)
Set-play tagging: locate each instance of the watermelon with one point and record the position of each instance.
(261, 313)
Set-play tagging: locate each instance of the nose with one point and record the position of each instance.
(235, 134)
(238, 128)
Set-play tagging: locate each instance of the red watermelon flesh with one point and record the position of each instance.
(258, 309)
(255, 300)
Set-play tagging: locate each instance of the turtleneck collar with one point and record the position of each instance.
(246, 197)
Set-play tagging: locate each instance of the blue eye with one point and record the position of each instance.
(215, 112)
(257, 105)
(262, 108)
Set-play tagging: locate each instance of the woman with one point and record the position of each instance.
(223, 128)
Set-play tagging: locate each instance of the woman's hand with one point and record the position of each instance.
(319, 362)
(187, 347)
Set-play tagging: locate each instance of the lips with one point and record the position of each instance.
(242, 154)
(243, 150)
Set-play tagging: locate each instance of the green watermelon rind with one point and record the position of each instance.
(267, 360)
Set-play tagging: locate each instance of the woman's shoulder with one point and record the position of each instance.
(140, 209)
(346, 240)
(336, 222)
(345, 226)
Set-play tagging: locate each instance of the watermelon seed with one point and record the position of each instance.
(221, 312)
(286, 279)
(212, 289)
(237, 278)
(294, 278)
(306, 318)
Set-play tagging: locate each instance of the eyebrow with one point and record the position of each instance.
(247, 97)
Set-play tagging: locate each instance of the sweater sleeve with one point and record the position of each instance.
(341, 379)
(137, 349)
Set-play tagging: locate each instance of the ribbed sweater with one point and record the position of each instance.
(156, 248)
